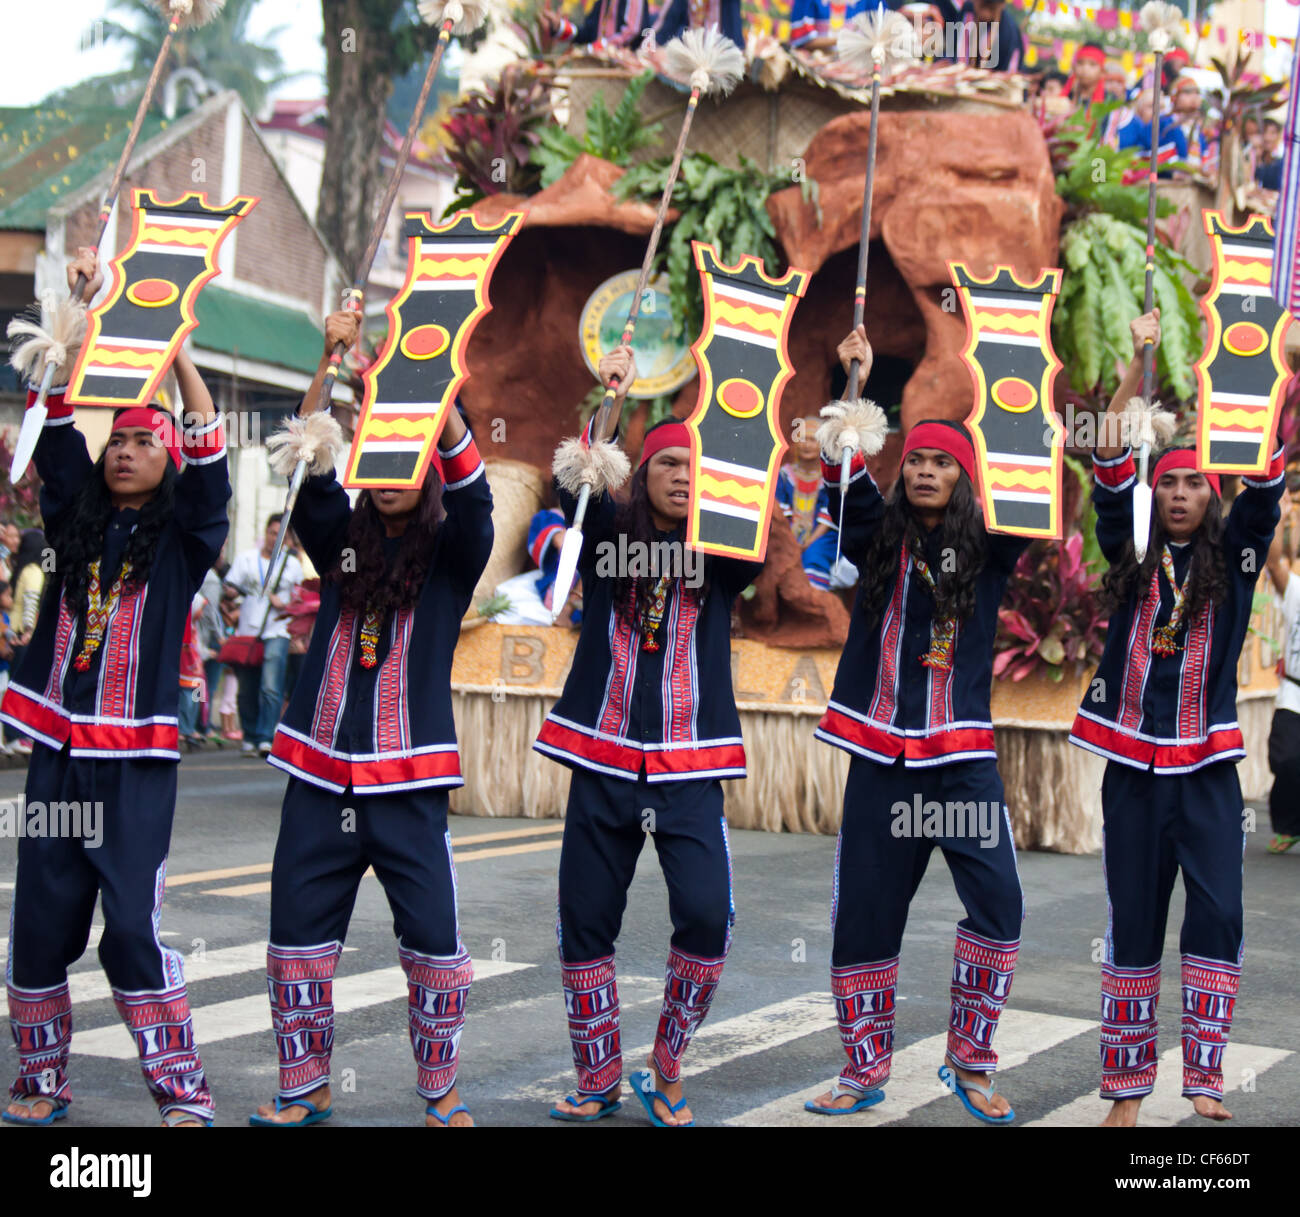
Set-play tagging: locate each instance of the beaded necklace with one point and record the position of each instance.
(653, 616)
(943, 631)
(97, 611)
(1164, 640)
(370, 627)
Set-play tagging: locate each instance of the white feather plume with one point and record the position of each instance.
(879, 37)
(467, 15)
(602, 466)
(1145, 422)
(1163, 23)
(190, 14)
(859, 424)
(55, 339)
(706, 58)
(316, 439)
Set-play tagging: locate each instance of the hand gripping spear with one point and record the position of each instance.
(66, 317)
(879, 40)
(1161, 22)
(712, 64)
(452, 17)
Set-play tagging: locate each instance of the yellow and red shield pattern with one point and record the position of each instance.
(736, 441)
(1241, 375)
(135, 332)
(1018, 439)
(422, 365)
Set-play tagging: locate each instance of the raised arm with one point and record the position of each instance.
(203, 488)
(467, 499)
(1279, 561)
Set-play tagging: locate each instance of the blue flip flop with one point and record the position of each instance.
(29, 1101)
(950, 1078)
(643, 1085)
(313, 1116)
(445, 1121)
(869, 1099)
(607, 1108)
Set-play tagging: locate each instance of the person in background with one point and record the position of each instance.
(227, 701)
(192, 693)
(10, 539)
(1136, 133)
(1116, 82)
(545, 540)
(261, 690)
(1268, 163)
(801, 496)
(210, 637)
(815, 24)
(1189, 119)
(1086, 86)
(1003, 51)
(1284, 735)
(630, 22)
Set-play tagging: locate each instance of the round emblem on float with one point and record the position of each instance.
(1245, 339)
(663, 362)
(740, 397)
(425, 342)
(152, 293)
(1013, 393)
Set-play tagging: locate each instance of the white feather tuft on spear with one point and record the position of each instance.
(1162, 22)
(467, 15)
(603, 466)
(190, 14)
(860, 425)
(707, 59)
(879, 38)
(55, 339)
(1145, 422)
(317, 440)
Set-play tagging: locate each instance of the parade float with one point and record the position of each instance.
(964, 172)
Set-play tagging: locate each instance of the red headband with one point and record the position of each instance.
(1095, 54)
(946, 439)
(156, 420)
(1183, 458)
(669, 435)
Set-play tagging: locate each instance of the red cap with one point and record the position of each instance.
(1183, 458)
(156, 420)
(1094, 53)
(666, 435)
(947, 439)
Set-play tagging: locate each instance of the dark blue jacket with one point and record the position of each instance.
(125, 704)
(886, 703)
(1177, 712)
(388, 727)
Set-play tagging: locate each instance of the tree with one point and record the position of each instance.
(368, 45)
(221, 52)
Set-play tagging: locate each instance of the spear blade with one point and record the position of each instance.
(567, 570)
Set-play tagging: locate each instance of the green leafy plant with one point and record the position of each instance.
(726, 208)
(612, 136)
(1103, 290)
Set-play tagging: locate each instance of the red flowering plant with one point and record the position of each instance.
(1050, 615)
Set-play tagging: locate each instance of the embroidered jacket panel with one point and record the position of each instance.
(1177, 712)
(125, 703)
(886, 703)
(672, 710)
(387, 727)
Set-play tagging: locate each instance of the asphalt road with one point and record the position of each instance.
(770, 1041)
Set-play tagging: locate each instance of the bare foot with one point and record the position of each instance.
(36, 1109)
(1210, 1108)
(590, 1107)
(1123, 1114)
(842, 1102)
(296, 1113)
(462, 1119)
(999, 1106)
(672, 1091)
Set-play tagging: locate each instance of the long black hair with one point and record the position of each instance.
(633, 594)
(30, 548)
(962, 535)
(1207, 577)
(368, 582)
(78, 535)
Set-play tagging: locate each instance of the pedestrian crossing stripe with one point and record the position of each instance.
(241, 1016)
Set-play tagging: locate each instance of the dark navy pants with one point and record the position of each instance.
(326, 843)
(1156, 825)
(606, 823)
(125, 810)
(894, 817)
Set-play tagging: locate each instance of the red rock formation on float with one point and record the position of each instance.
(949, 185)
